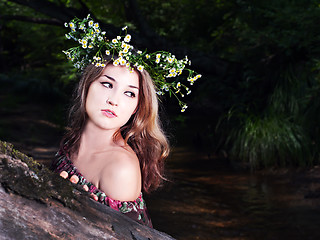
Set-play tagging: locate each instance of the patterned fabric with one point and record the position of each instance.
(136, 210)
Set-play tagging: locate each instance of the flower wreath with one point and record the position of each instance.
(161, 65)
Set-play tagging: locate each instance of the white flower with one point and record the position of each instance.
(107, 52)
(90, 24)
(191, 80)
(127, 38)
(140, 68)
(157, 60)
(170, 75)
(198, 76)
(124, 28)
(170, 60)
(96, 25)
(118, 37)
(147, 56)
(123, 61)
(114, 40)
(66, 24)
(71, 24)
(172, 70)
(67, 36)
(139, 52)
(116, 62)
(124, 45)
(166, 88)
(158, 55)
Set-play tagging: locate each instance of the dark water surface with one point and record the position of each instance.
(209, 200)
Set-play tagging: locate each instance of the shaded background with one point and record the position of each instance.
(256, 106)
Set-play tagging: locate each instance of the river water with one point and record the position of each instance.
(207, 199)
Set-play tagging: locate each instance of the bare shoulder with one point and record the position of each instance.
(121, 177)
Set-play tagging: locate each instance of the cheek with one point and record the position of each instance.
(91, 103)
(134, 106)
(95, 96)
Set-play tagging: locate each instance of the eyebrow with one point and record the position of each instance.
(112, 79)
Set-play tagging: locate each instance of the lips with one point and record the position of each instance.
(109, 113)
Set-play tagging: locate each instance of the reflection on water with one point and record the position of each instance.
(209, 200)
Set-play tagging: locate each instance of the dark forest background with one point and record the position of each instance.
(257, 102)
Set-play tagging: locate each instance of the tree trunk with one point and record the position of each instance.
(38, 204)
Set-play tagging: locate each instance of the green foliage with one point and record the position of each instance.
(269, 141)
(185, 21)
(271, 81)
(274, 101)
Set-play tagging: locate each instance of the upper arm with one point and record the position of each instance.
(121, 178)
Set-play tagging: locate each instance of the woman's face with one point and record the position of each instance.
(113, 97)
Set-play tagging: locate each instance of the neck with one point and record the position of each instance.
(94, 139)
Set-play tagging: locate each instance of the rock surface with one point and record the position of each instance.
(38, 204)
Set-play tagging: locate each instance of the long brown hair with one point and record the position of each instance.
(143, 132)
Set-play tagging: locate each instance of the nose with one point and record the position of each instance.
(111, 102)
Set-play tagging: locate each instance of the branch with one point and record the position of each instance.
(146, 38)
(51, 9)
(29, 192)
(32, 19)
(84, 6)
(133, 13)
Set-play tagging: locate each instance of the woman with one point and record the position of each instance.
(115, 146)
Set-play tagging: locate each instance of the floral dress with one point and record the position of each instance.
(134, 209)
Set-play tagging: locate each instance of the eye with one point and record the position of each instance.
(130, 94)
(107, 84)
